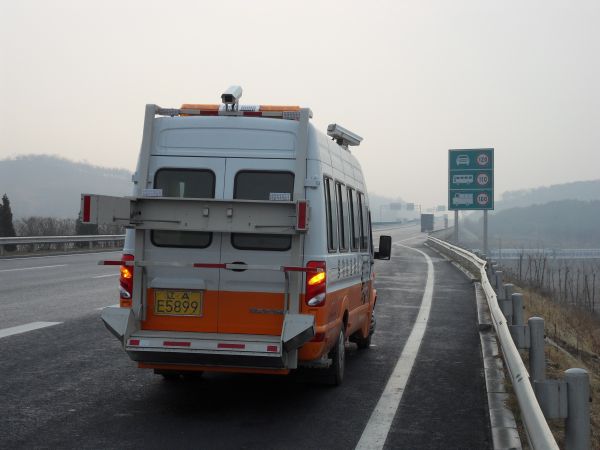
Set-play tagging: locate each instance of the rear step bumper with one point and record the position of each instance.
(210, 360)
(248, 351)
(210, 349)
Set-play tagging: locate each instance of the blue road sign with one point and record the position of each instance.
(471, 179)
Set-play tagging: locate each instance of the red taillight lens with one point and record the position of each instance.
(126, 279)
(316, 284)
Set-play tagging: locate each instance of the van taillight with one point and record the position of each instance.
(316, 284)
(126, 281)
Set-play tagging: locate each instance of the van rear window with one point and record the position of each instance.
(189, 183)
(260, 185)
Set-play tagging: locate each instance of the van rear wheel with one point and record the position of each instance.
(335, 373)
(365, 342)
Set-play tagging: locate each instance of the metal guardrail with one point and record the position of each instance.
(58, 239)
(538, 431)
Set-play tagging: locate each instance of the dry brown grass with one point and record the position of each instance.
(578, 335)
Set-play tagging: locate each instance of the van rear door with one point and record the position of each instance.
(184, 298)
(252, 301)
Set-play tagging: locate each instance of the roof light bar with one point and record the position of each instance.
(343, 136)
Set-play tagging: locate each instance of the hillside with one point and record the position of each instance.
(577, 190)
(44, 185)
(559, 224)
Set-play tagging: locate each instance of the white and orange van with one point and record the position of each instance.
(248, 246)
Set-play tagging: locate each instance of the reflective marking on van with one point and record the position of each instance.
(231, 346)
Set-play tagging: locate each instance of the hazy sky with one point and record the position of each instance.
(414, 78)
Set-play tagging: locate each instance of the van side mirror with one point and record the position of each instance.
(385, 248)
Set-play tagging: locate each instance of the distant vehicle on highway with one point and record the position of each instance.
(427, 222)
(249, 246)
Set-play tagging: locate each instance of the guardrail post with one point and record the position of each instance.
(517, 308)
(505, 301)
(91, 245)
(537, 358)
(577, 424)
(499, 285)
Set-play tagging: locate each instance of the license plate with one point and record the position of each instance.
(169, 302)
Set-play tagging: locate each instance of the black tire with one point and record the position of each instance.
(168, 375)
(192, 375)
(335, 373)
(365, 342)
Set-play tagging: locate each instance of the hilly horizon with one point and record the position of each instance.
(50, 186)
(585, 190)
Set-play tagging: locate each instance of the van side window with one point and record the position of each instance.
(331, 213)
(258, 185)
(354, 220)
(342, 216)
(364, 219)
(188, 183)
(371, 235)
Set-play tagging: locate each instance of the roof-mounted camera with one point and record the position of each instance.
(343, 136)
(231, 98)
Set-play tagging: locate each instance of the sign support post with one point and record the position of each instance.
(485, 232)
(456, 226)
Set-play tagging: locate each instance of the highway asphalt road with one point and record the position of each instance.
(69, 384)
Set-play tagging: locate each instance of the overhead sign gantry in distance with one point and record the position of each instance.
(471, 179)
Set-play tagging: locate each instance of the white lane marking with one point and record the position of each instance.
(378, 427)
(109, 275)
(25, 328)
(109, 306)
(32, 268)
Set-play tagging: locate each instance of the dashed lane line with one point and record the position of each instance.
(109, 275)
(110, 306)
(378, 427)
(32, 268)
(25, 328)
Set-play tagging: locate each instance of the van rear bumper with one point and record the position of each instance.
(241, 351)
(211, 360)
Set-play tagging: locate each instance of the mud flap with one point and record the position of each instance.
(119, 321)
(297, 330)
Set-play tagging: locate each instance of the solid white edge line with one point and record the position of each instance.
(31, 268)
(25, 328)
(375, 433)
